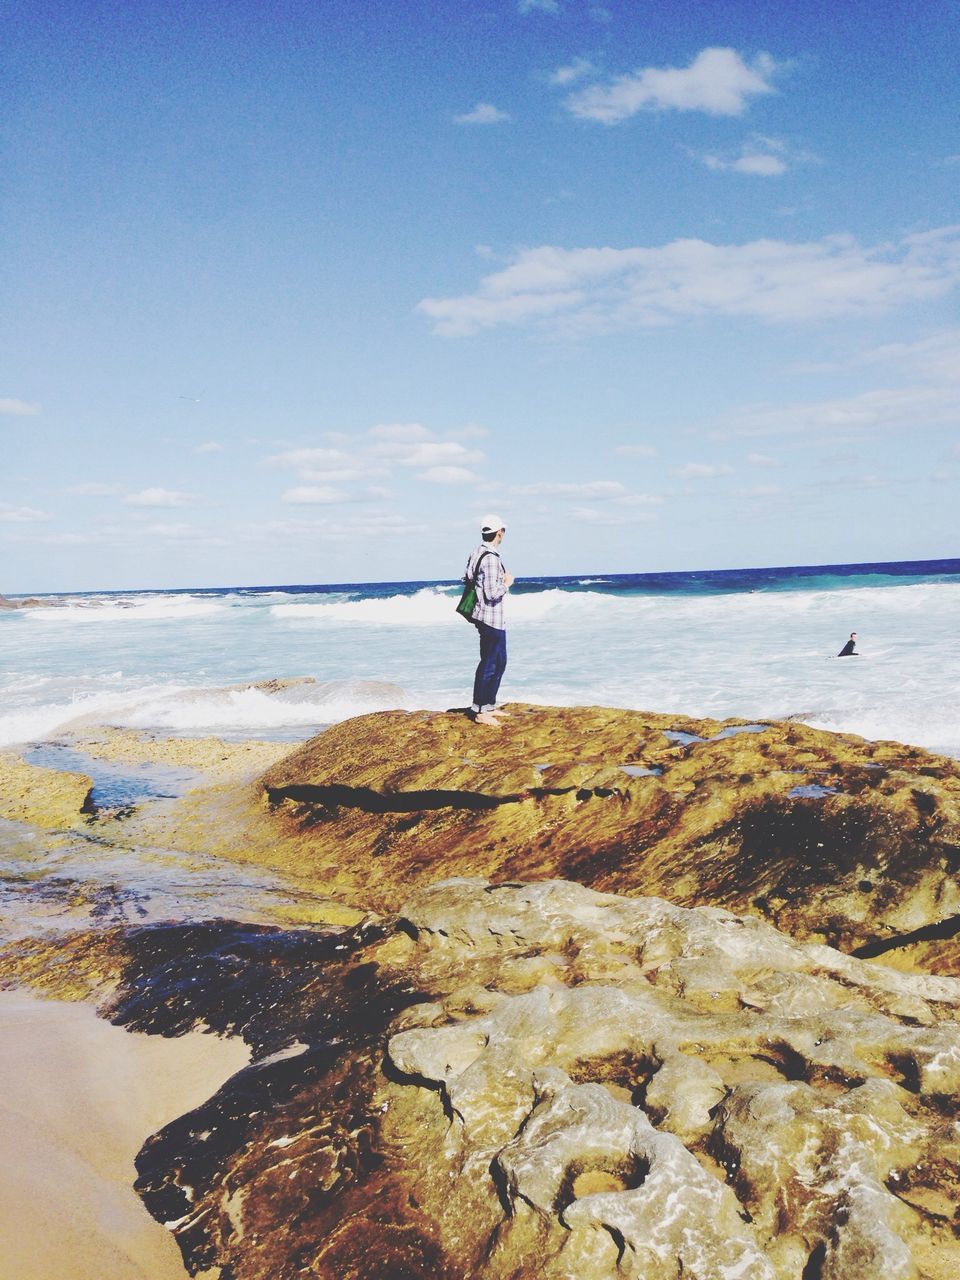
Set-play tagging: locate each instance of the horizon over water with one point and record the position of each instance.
(755, 643)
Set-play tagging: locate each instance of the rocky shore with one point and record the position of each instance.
(602, 994)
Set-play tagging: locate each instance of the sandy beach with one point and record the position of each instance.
(77, 1099)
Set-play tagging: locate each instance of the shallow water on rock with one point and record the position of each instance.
(69, 882)
(115, 786)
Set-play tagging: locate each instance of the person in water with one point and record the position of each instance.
(849, 650)
(485, 569)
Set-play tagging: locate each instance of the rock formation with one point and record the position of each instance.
(542, 1081)
(828, 836)
(590, 1028)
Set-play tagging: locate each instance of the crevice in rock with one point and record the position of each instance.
(814, 1268)
(791, 1064)
(499, 1179)
(618, 1238)
(336, 796)
(906, 1067)
(937, 932)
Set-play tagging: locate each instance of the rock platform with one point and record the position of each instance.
(627, 996)
(827, 836)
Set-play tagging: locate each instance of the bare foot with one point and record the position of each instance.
(499, 711)
(485, 717)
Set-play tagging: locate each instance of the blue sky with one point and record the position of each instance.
(297, 293)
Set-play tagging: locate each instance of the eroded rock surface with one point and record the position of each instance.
(509, 1075)
(825, 835)
(543, 1081)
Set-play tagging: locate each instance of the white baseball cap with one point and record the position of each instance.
(491, 524)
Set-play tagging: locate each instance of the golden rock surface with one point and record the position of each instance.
(46, 798)
(828, 836)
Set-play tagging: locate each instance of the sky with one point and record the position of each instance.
(299, 292)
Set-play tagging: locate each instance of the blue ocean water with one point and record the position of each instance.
(756, 643)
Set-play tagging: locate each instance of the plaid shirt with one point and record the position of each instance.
(490, 583)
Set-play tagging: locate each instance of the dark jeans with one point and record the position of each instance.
(490, 669)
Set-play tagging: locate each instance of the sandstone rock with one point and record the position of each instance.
(519, 1081)
(625, 1221)
(46, 798)
(826, 835)
(518, 1076)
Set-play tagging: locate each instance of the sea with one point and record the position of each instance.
(760, 644)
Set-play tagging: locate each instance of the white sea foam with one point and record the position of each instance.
(188, 710)
(759, 655)
(434, 606)
(102, 609)
(431, 606)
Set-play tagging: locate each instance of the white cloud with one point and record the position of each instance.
(703, 470)
(760, 164)
(538, 6)
(372, 524)
(447, 475)
(339, 475)
(636, 450)
(429, 453)
(180, 532)
(761, 491)
(573, 71)
(603, 289)
(846, 482)
(608, 517)
(325, 474)
(312, 496)
(95, 489)
(400, 431)
(590, 489)
(760, 157)
(156, 497)
(906, 409)
(483, 113)
(58, 539)
(21, 515)
(936, 356)
(641, 500)
(18, 408)
(210, 446)
(761, 460)
(316, 459)
(718, 81)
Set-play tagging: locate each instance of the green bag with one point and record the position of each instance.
(468, 601)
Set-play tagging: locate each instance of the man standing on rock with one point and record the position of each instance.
(485, 569)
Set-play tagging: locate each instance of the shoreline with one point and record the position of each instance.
(78, 1098)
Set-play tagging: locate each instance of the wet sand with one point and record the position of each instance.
(77, 1099)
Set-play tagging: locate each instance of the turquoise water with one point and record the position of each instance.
(756, 643)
